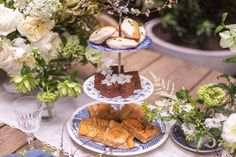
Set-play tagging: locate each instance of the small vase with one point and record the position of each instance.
(49, 111)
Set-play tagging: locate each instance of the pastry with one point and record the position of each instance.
(130, 28)
(143, 35)
(93, 128)
(141, 130)
(102, 34)
(117, 137)
(131, 111)
(103, 111)
(121, 43)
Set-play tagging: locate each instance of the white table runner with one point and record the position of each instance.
(50, 132)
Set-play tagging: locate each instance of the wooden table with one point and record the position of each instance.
(183, 74)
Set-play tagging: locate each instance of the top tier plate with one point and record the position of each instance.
(138, 96)
(101, 47)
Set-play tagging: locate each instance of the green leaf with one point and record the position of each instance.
(221, 109)
(199, 140)
(224, 76)
(224, 16)
(216, 132)
(183, 94)
(219, 28)
(230, 60)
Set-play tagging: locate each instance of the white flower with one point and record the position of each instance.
(43, 9)
(228, 40)
(34, 28)
(8, 20)
(49, 45)
(229, 129)
(189, 129)
(215, 122)
(94, 56)
(14, 54)
(212, 123)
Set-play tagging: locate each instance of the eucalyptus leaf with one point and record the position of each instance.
(219, 29)
(216, 132)
(223, 18)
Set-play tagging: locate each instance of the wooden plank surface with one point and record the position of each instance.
(183, 74)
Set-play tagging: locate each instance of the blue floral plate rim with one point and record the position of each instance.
(139, 95)
(176, 141)
(163, 137)
(145, 44)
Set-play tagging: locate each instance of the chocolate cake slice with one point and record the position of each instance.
(110, 91)
(98, 80)
(127, 89)
(135, 79)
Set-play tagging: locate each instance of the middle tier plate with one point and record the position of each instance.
(138, 96)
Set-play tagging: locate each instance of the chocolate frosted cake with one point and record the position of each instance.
(112, 84)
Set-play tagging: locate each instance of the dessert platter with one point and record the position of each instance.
(118, 130)
(115, 124)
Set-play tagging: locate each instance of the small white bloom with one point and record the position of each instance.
(34, 28)
(49, 45)
(212, 123)
(229, 129)
(8, 20)
(189, 129)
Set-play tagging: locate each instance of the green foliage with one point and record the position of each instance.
(51, 78)
(150, 114)
(197, 18)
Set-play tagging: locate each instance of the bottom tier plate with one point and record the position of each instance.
(82, 113)
(139, 95)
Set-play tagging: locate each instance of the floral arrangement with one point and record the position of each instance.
(206, 121)
(41, 39)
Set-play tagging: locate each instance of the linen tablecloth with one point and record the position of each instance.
(50, 132)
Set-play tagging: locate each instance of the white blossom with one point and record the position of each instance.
(189, 129)
(229, 129)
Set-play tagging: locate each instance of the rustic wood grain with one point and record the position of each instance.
(10, 140)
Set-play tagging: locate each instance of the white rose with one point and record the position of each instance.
(8, 20)
(34, 28)
(229, 129)
(49, 45)
(14, 54)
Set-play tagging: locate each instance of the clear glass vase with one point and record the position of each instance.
(49, 111)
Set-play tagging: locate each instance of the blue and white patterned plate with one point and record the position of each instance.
(177, 135)
(139, 95)
(102, 47)
(82, 113)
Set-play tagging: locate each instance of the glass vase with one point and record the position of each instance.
(49, 111)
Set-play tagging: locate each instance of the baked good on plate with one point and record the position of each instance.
(102, 34)
(103, 111)
(130, 28)
(131, 111)
(143, 34)
(141, 129)
(117, 137)
(93, 128)
(121, 43)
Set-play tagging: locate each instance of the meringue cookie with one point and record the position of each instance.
(143, 34)
(101, 34)
(121, 43)
(130, 28)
